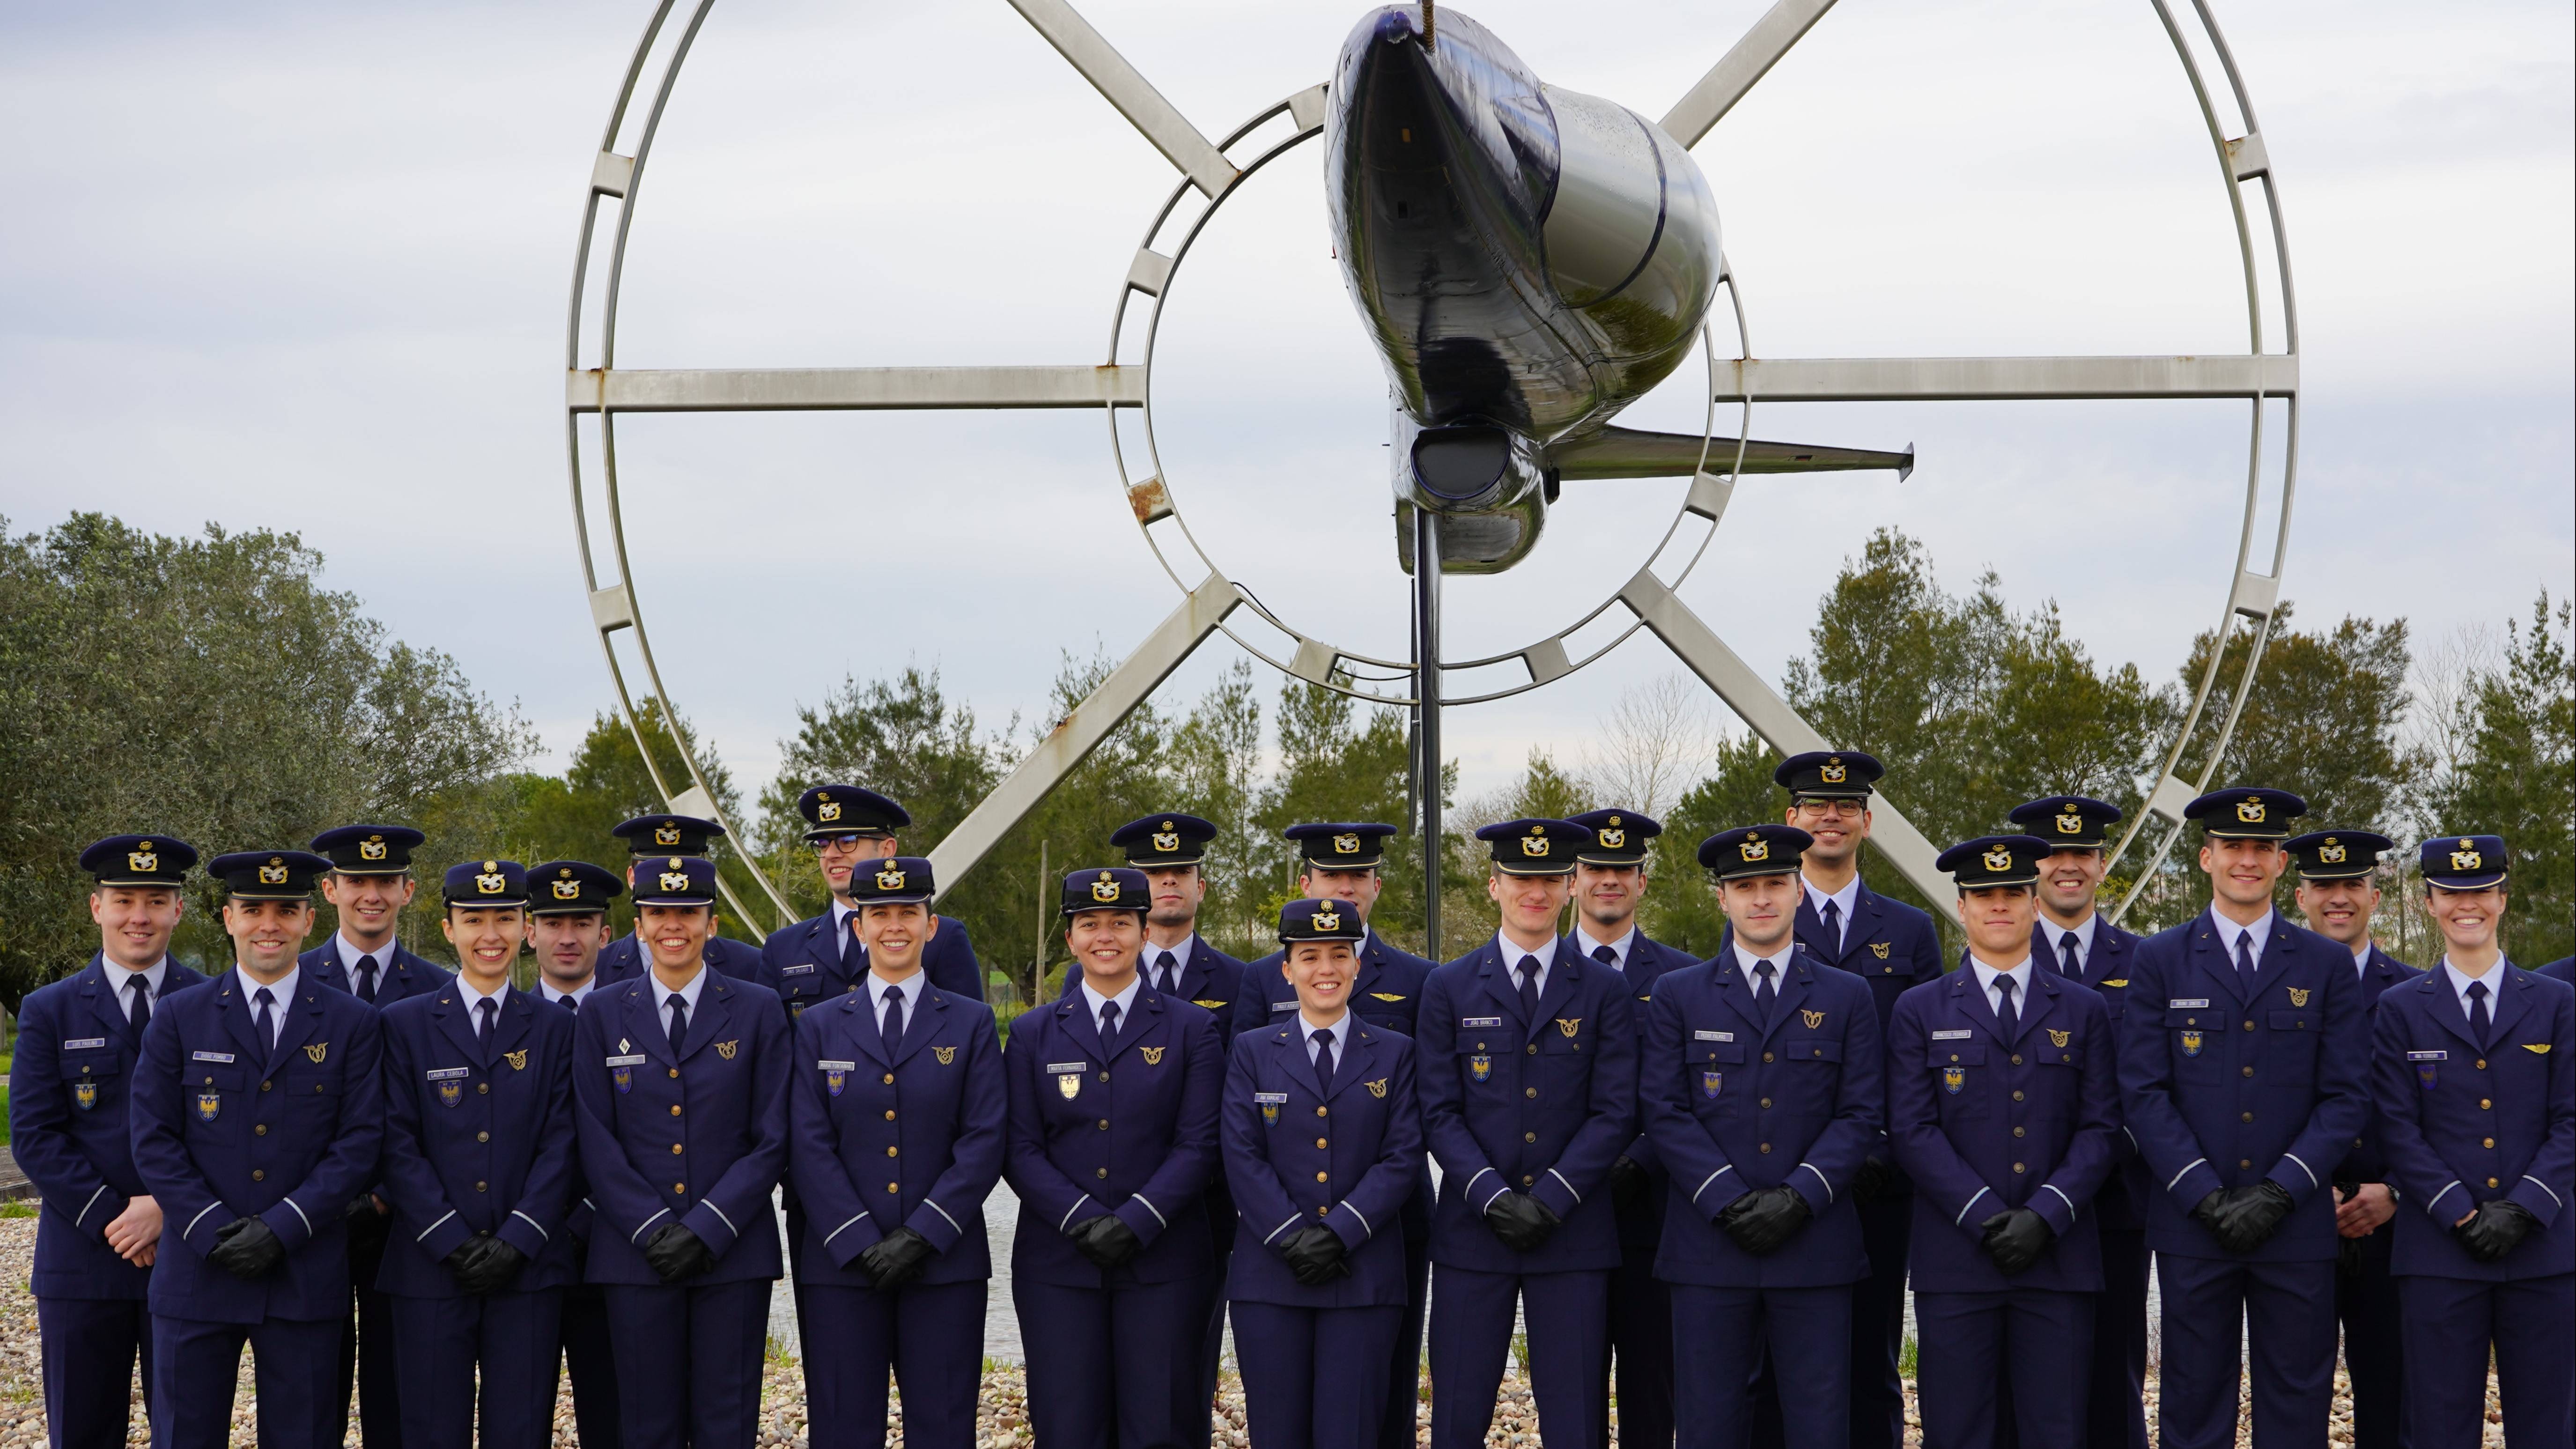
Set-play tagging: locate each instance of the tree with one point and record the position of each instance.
(2518, 779)
(1652, 747)
(1680, 909)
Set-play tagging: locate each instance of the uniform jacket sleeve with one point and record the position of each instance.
(1038, 1183)
(1191, 1164)
(1389, 1181)
(1610, 1122)
(2173, 1155)
(1699, 1166)
(954, 969)
(39, 1110)
(975, 1158)
(349, 1167)
(421, 1208)
(2342, 1107)
(1251, 1007)
(741, 1195)
(547, 1197)
(1444, 1099)
(2555, 1161)
(1914, 1125)
(187, 1200)
(2421, 1176)
(2094, 1148)
(1859, 1125)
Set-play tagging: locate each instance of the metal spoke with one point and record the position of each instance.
(1780, 726)
(1932, 379)
(1133, 95)
(1735, 72)
(798, 389)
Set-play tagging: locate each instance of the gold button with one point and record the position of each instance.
(1319, 1111)
(1766, 1149)
(210, 1081)
(1529, 1137)
(1321, 1176)
(2490, 1142)
(894, 1187)
(2016, 1096)
(2249, 1026)
(1104, 1076)
(2020, 1132)
(1533, 1048)
(259, 1131)
(256, 1175)
(2016, 1059)
(889, 1078)
(2491, 1182)
(1104, 1124)
(1480, 1046)
(1100, 1172)
(681, 1187)
(1954, 1056)
(2486, 1104)
(2244, 1116)
(482, 1187)
(1766, 1056)
(1322, 1209)
(483, 1089)
(264, 1086)
(675, 1149)
(1527, 1180)
(2482, 1066)
(890, 1151)
(889, 1114)
(2245, 1162)
(2247, 1071)
(1766, 1101)
(2017, 1167)
(84, 1071)
(1530, 1092)
(675, 1109)
(675, 1071)
(853, 986)
(1319, 1142)
(482, 1136)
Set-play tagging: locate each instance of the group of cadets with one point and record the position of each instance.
(1708, 1182)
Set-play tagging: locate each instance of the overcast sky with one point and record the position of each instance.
(305, 266)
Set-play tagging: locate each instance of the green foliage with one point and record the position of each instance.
(2518, 780)
(1680, 910)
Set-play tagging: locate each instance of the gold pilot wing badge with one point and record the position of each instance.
(1814, 1019)
(2058, 1038)
(1566, 1025)
(946, 1054)
(518, 1060)
(2299, 996)
(317, 1051)
(1153, 1055)
(1378, 1087)
(726, 1049)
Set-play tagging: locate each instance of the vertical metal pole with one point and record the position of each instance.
(1037, 968)
(1426, 688)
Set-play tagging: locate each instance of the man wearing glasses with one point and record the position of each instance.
(819, 958)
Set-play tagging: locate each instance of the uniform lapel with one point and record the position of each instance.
(1793, 990)
(1564, 983)
(712, 1019)
(518, 1012)
(2512, 998)
(456, 1023)
(1290, 1042)
(239, 1015)
(644, 1025)
(2039, 1003)
(1811, 928)
(1359, 1058)
(1862, 928)
(2109, 959)
(1969, 991)
(102, 1001)
(1081, 1025)
(2211, 953)
(1148, 1019)
(2447, 1010)
(1502, 984)
(1727, 975)
(299, 1018)
(921, 1026)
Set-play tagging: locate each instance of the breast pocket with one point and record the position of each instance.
(2198, 1037)
(1958, 1071)
(1717, 1080)
(91, 1078)
(799, 984)
(2290, 1051)
(215, 1099)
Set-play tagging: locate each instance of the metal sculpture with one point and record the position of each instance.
(1576, 248)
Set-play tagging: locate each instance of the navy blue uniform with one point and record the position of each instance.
(697, 1137)
(1346, 1155)
(2224, 1091)
(805, 964)
(589, 1358)
(1984, 1122)
(625, 958)
(2562, 969)
(1129, 1132)
(69, 1088)
(2365, 1293)
(1641, 1308)
(1388, 994)
(884, 1136)
(226, 1126)
(478, 1141)
(2465, 1121)
(399, 978)
(1737, 1102)
(1542, 1106)
(2115, 1408)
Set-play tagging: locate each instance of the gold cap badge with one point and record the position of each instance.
(1105, 889)
(2250, 810)
(889, 879)
(1346, 843)
(273, 873)
(666, 833)
(372, 848)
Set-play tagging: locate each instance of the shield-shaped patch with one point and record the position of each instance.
(210, 1105)
(1480, 1067)
(450, 1093)
(2429, 1073)
(834, 1080)
(85, 1095)
(1709, 1082)
(623, 1077)
(1070, 1084)
(2191, 1043)
(1954, 1080)
(1270, 1103)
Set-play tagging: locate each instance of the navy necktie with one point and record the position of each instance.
(1605, 956)
(483, 1013)
(139, 1015)
(851, 951)
(1109, 1030)
(1166, 964)
(1763, 995)
(1833, 915)
(2245, 961)
(1529, 992)
(891, 1029)
(679, 1021)
(2478, 1012)
(2069, 959)
(264, 1024)
(2005, 1016)
(367, 979)
(1323, 1041)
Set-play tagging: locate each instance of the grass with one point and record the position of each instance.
(17, 1210)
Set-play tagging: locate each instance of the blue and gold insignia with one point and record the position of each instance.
(1879, 948)
(946, 1054)
(2429, 1073)
(450, 1093)
(210, 1105)
(1069, 1085)
(1709, 1082)
(1480, 1067)
(2059, 1038)
(1378, 1087)
(85, 1095)
(2250, 810)
(2191, 1043)
(623, 1078)
(1954, 1080)
(835, 1079)
(317, 1051)
(1270, 1103)
(726, 1049)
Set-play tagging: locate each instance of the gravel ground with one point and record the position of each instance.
(1002, 1420)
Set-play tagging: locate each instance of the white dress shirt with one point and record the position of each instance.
(2055, 935)
(689, 992)
(2361, 959)
(1146, 964)
(118, 978)
(547, 993)
(910, 990)
(351, 954)
(1125, 1000)
(2255, 934)
(1339, 1029)
(2020, 974)
(1847, 899)
(279, 997)
(1512, 954)
(2460, 984)
(473, 1013)
(1744, 961)
(1619, 949)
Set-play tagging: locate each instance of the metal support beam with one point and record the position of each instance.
(804, 389)
(1939, 379)
(1759, 706)
(1426, 691)
(1133, 95)
(1735, 72)
(1076, 735)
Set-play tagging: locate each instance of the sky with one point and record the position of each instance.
(307, 267)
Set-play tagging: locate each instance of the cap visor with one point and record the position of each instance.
(2465, 882)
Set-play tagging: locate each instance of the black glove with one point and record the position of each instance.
(1875, 1180)
(1764, 1219)
(896, 1259)
(2243, 1218)
(1316, 1254)
(1628, 1182)
(2016, 1238)
(1521, 1221)
(2497, 1228)
(487, 1265)
(674, 1253)
(1105, 1240)
(246, 1248)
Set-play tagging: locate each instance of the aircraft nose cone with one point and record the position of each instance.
(1395, 24)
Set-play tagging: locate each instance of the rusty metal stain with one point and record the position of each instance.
(1151, 500)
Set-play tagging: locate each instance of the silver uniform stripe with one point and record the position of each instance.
(199, 1218)
(1820, 1177)
(720, 1212)
(1363, 1217)
(1069, 1212)
(1712, 1177)
(843, 1228)
(2071, 1209)
(648, 1222)
(93, 1202)
(299, 1212)
(2303, 1167)
(2186, 1172)
(433, 1227)
(2544, 1187)
(2437, 1197)
(1963, 1211)
(532, 1222)
(943, 1212)
(1283, 1227)
(1569, 1187)
(1149, 1207)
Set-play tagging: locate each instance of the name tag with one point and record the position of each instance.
(1272, 1099)
(1712, 1036)
(446, 1074)
(1952, 1035)
(210, 1057)
(2199, 1001)
(1471, 1022)
(633, 1061)
(822, 1066)
(2428, 1056)
(807, 969)
(1283, 1006)
(85, 1044)
(1055, 1067)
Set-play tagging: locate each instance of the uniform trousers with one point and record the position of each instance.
(591, 1362)
(2115, 1415)
(2373, 1358)
(1641, 1347)
(1404, 1357)
(688, 1362)
(89, 1347)
(507, 1341)
(1878, 1324)
(367, 1349)
(1719, 1332)
(1963, 1340)
(1320, 1379)
(1565, 1315)
(1113, 1365)
(930, 1335)
(2282, 1313)
(194, 1364)
(2449, 1324)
